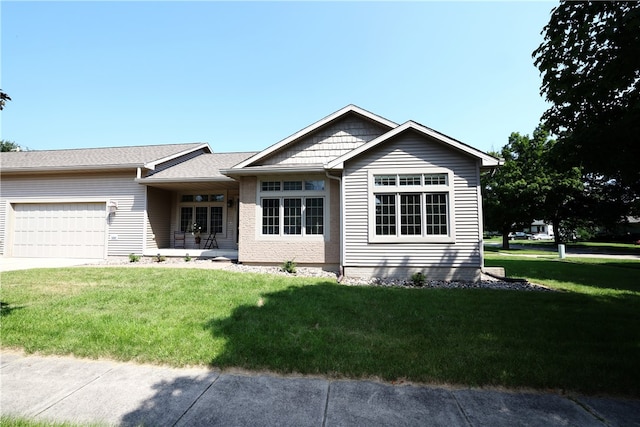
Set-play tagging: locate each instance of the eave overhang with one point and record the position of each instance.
(69, 169)
(152, 165)
(275, 170)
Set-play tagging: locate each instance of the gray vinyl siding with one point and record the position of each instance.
(329, 142)
(410, 150)
(127, 223)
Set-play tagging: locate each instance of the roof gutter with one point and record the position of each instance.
(69, 168)
(182, 180)
(251, 171)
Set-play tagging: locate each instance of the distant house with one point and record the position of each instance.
(353, 191)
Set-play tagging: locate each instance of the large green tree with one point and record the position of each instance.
(530, 185)
(511, 192)
(590, 66)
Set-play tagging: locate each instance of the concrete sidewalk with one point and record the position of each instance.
(111, 393)
(12, 264)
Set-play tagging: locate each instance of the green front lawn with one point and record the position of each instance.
(585, 338)
(12, 421)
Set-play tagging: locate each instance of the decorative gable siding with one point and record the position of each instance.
(124, 228)
(410, 150)
(329, 142)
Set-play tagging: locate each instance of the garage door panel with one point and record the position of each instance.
(61, 230)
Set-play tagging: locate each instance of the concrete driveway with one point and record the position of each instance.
(10, 263)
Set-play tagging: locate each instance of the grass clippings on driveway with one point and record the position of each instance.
(584, 339)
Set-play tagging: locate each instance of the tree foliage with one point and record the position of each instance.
(530, 185)
(3, 99)
(8, 146)
(590, 66)
(511, 192)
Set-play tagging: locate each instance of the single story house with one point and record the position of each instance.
(353, 191)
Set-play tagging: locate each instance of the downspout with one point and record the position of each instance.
(342, 242)
(480, 215)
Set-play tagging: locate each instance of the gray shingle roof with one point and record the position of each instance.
(203, 166)
(92, 158)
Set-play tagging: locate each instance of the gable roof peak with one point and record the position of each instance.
(349, 109)
(486, 160)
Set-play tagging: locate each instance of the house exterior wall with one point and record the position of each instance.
(329, 142)
(461, 259)
(257, 249)
(123, 228)
(158, 218)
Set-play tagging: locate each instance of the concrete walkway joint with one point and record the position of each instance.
(63, 389)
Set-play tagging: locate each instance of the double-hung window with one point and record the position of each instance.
(292, 207)
(413, 206)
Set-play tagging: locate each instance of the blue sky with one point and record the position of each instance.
(243, 75)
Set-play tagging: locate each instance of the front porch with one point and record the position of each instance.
(215, 254)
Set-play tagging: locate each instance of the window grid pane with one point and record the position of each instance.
(435, 179)
(186, 216)
(292, 185)
(314, 215)
(436, 214)
(314, 185)
(409, 179)
(216, 220)
(385, 214)
(270, 216)
(410, 214)
(270, 186)
(201, 218)
(292, 216)
(385, 180)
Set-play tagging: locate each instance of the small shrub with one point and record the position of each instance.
(134, 258)
(160, 258)
(418, 278)
(187, 258)
(289, 266)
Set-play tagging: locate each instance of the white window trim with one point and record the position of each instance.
(411, 189)
(208, 205)
(282, 194)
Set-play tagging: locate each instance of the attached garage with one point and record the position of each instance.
(59, 230)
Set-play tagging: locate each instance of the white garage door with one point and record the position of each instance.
(59, 230)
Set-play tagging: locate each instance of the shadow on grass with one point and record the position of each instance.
(473, 337)
(605, 275)
(6, 308)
